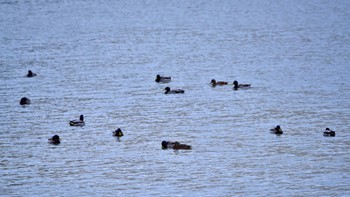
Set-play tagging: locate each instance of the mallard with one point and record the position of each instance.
(175, 145)
(162, 79)
(79, 122)
(328, 133)
(236, 85)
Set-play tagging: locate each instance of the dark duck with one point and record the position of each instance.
(174, 91)
(31, 74)
(277, 130)
(24, 101)
(118, 133)
(55, 139)
(175, 145)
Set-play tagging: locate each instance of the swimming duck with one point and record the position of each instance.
(24, 101)
(328, 133)
(79, 122)
(175, 145)
(219, 83)
(31, 74)
(277, 130)
(162, 79)
(55, 139)
(118, 133)
(236, 85)
(175, 91)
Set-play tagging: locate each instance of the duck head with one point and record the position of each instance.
(278, 128)
(55, 139)
(24, 101)
(167, 89)
(158, 78)
(30, 74)
(81, 118)
(235, 85)
(164, 144)
(118, 132)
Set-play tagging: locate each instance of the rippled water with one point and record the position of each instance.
(100, 58)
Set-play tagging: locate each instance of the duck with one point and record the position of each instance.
(175, 145)
(328, 133)
(236, 85)
(24, 101)
(174, 91)
(118, 133)
(55, 139)
(277, 130)
(219, 83)
(162, 79)
(31, 74)
(79, 122)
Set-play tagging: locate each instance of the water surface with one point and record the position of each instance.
(100, 58)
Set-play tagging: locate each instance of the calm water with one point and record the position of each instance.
(100, 58)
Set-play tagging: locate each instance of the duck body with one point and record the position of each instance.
(24, 101)
(118, 133)
(162, 79)
(55, 139)
(219, 83)
(31, 74)
(329, 133)
(277, 130)
(174, 91)
(175, 145)
(78, 123)
(236, 85)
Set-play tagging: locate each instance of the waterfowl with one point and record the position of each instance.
(328, 133)
(174, 91)
(219, 83)
(277, 130)
(24, 101)
(79, 122)
(55, 139)
(175, 145)
(118, 133)
(162, 79)
(236, 85)
(31, 74)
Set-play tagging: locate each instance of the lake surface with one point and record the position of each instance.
(100, 58)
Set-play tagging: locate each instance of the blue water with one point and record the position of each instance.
(100, 58)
